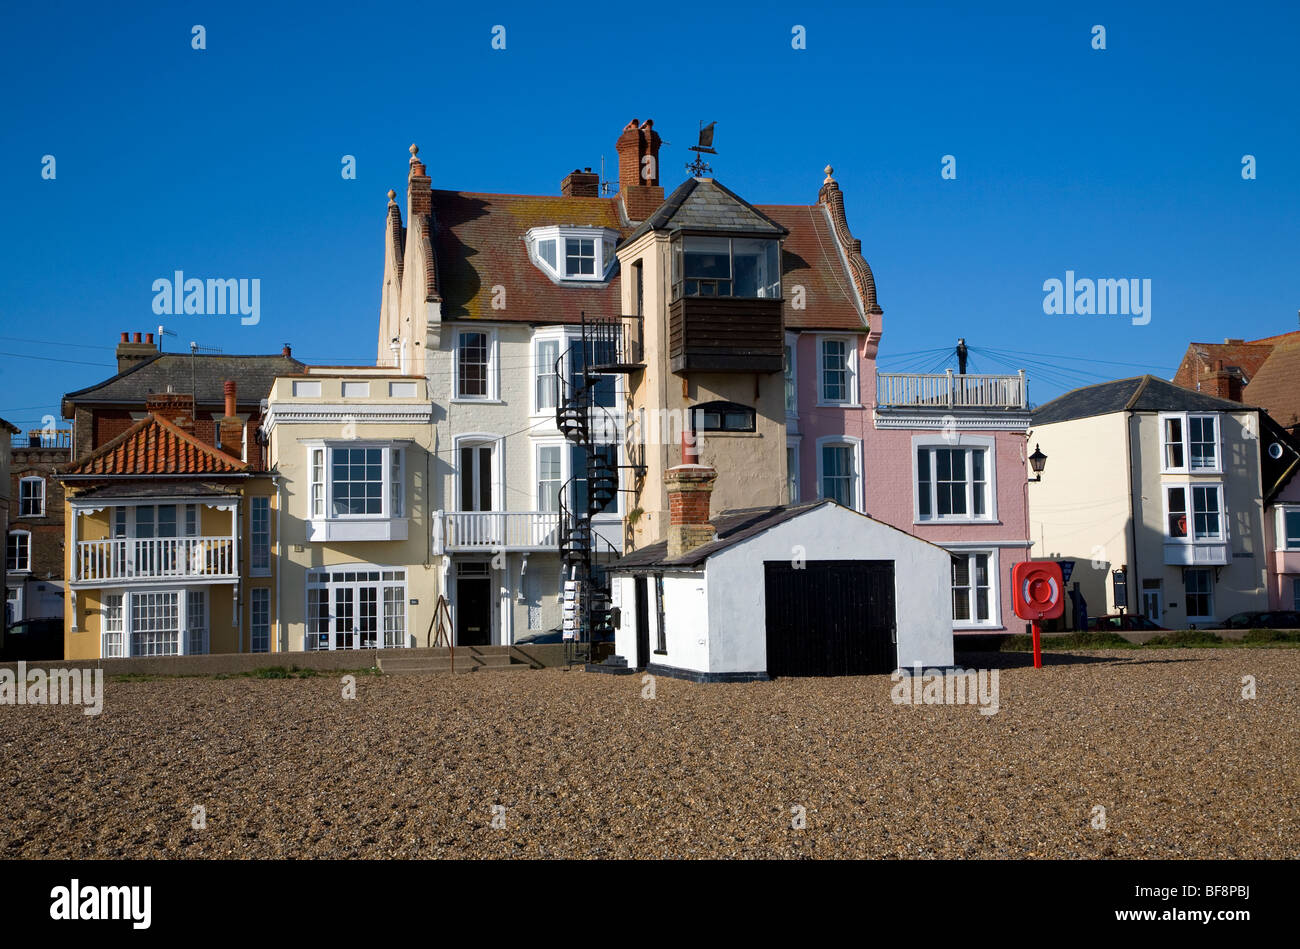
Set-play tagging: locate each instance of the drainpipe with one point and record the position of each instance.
(1130, 580)
(281, 638)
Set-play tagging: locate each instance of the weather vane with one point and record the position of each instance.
(699, 168)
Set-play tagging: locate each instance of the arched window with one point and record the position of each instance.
(722, 417)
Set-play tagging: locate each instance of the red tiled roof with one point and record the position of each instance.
(1200, 359)
(155, 446)
(478, 243)
(1275, 387)
(1269, 368)
(812, 261)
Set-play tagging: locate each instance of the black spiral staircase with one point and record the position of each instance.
(605, 351)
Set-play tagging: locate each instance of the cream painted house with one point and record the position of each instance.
(354, 454)
(1157, 494)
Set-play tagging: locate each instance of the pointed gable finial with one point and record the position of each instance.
(417, 166)
(829, 180)
(392, 195)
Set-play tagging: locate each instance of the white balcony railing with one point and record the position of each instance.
(504, 530)
(208, 558)
(951, 390)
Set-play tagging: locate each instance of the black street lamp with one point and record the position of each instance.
(1037, 461)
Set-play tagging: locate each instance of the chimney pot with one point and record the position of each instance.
(126, 337)
(286, 352)
(148, 338)
(229, 388)
(135, 338)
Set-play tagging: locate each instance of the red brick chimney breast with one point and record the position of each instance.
(690, 489)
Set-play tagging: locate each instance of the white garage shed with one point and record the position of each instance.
(803, 589)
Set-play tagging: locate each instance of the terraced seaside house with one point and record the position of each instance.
(1160, 495)
(353, 454)
(484, 295)
(170, 541)
(35, 552)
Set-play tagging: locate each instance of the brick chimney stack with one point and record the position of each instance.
(131, 351)
(581, 184)
(690, 488)
(1225, 383)
(230, 430)
(638, 169)
(175, 407)
(419, 195)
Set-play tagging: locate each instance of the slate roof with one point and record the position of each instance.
(204, 375)
(1136, 394)
(703, 204)
(154, 446)
(732, 527)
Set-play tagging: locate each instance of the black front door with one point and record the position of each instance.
(473, 611)
(830, 617)
(642, 624)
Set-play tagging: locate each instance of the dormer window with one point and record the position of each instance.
(573, 253)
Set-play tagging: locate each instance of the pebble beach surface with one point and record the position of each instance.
(584, 766)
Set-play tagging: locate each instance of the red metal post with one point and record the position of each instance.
(1038, 648)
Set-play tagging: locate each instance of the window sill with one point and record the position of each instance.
(944, 521)
(978, 629)
(839, 405)
(470, 400)
(356, 529)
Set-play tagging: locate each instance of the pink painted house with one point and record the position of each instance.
(941, 456)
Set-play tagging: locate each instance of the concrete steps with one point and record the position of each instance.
(468, 659)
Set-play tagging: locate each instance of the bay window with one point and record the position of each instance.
(1288, 528)
(742, 267)
(361, 484)
(1204, 520)
(1190, 442)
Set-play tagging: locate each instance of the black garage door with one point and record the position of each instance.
(830, 617)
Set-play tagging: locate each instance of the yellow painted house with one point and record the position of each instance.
(169, 543)
(354, 453)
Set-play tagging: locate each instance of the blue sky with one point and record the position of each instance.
(1120, 163)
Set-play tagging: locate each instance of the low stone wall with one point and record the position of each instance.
(548, 655)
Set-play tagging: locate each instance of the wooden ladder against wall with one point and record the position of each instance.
(440, 629)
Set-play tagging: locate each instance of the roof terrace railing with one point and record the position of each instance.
(951, 390)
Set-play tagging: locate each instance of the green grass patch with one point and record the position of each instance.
(1066, 641)
(1174, 639)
